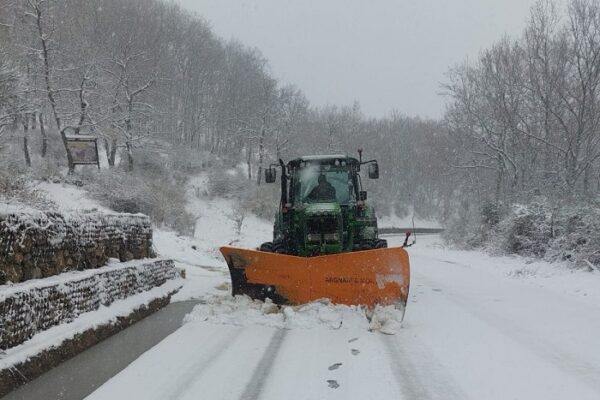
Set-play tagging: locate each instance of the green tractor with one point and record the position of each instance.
(325, 241)
(323, 207)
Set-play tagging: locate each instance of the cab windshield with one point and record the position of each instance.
(323, 184)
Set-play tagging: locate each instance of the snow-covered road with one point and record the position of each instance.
(476, 327)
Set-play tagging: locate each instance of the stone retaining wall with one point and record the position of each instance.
(12, 378)
(42, 244)
(31, 307)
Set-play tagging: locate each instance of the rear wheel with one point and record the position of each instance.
(267, 246)
(279, 248)
(366, 246)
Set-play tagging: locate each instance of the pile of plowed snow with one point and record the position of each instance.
(243, 311)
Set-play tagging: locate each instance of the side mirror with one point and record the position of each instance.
(374, 170)
(362, 195)
(270, 175)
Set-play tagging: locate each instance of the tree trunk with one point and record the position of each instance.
(113, 153)
(26, 150)
(49, 89)
(248, 163)
(571, 171)
(129, 155)
(261, 156)
(44, 136)
(63, 136)
(107, 151)
(586, 181)
(499, 178)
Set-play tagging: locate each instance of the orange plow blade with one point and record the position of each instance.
(368, 278)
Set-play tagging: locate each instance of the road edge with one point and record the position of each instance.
(20, 374)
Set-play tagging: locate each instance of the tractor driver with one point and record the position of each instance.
(324, 191)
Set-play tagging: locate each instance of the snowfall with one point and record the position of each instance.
(476, 327)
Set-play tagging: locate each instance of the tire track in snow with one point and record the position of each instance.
(263, 369)
(581, 370)
(413, 386)
(203, 363)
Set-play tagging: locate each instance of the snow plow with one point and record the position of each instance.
(325, 241)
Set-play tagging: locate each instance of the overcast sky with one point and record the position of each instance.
(386, 54)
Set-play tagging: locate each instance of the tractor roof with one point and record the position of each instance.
(324, 159)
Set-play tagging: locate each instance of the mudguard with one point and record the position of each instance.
(380, 276)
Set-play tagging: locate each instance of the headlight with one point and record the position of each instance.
(331, 237)
(314, 237)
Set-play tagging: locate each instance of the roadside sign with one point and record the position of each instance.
(84, 149)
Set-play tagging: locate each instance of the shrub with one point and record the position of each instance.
(491, 214)
(526, 230)
(152, 194)
(577, 235)
(262, 200)
(227, 184)
(464, 227)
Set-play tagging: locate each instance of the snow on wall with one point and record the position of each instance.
(34, 306)
(41, 244)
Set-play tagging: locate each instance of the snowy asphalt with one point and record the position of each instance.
(81, 375)
(469, 333)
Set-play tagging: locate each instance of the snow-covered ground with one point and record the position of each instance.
(476, 327)
(69, 198)
(394, 221)
(215, 226)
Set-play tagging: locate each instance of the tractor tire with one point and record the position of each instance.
(366, 246)
(267, 246)
(381, 244)
(279, 248)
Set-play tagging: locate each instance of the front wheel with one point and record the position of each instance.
(363, 246)
(381, 244)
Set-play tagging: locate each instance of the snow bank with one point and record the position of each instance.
(243, 311)
(31, 307)
(556, 277)
(56, 335)
(69, 198)
(12, 208)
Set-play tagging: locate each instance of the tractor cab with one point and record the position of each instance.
(322, 208)
(323, 179)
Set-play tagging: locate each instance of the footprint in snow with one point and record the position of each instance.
(355, 352)
(335, 366)
(333, 384)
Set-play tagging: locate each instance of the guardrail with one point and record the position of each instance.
(394, 230)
